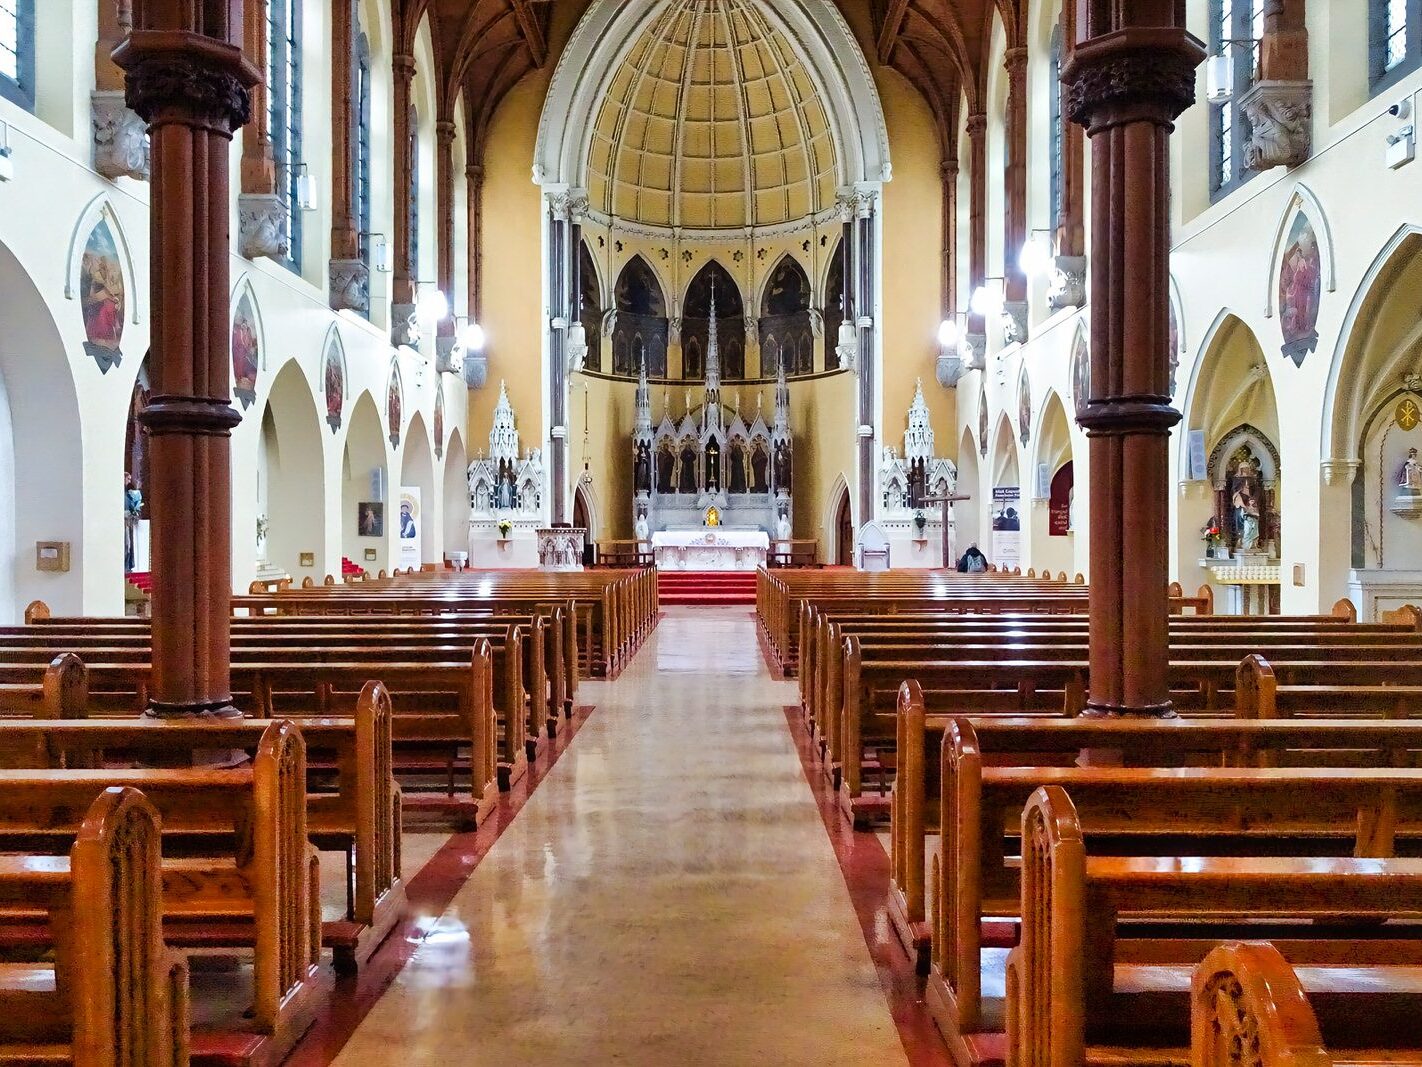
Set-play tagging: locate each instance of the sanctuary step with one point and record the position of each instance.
(706, 587)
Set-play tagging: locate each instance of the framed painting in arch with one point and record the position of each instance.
(334, 376)
(102, 296)
(394, 404)
(246, 351)
(1300, 289)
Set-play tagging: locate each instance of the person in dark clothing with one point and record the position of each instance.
(973, 561)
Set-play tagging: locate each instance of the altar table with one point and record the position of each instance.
(710, 549)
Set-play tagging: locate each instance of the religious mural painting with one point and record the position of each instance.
(394, 404)
(439, 423)
(1024, 408)
(785, 317)
(246, 355)
(102, 296)
(1080, 376)
(714, 281)
(982, 424)
(1300, 289)
(334, 376)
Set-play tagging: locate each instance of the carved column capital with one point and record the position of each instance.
(263, 226)
(474, 174)
(350, 285)
(976, 124)
(403, 66)
(445, 131)
(206, 86)
(1131, 76)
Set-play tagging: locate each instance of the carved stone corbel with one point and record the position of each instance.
(404, 325)
(1068, 287)
(1014, 322)
(350, 285)
(262, 226)
(1280, 117)
(949, 369)
(475, 369)
(1335, 470)
(120, 137)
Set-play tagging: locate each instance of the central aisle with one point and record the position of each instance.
(668, 896)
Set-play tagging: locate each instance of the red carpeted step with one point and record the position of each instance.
(706, 587)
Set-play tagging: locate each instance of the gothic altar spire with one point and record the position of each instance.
(918, 438)
(711, 417)
(643, 428)
(780, 431)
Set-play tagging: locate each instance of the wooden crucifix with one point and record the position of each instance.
(947, 501)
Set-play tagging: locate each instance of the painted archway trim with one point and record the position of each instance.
(609, 29)
(1337, 442)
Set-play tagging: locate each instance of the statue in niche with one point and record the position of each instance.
(759, 463)
(686, 473)
(782, 527)
(642, 478)
(505, 493)
(1410, 478)
(640, 529)
(666, 468)
(782, 466)
(736, 477)
(1245, 494)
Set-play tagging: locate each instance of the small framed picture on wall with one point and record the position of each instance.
(370, 518)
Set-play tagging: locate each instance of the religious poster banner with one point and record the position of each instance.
(1061, 496)
(1007, 526)
(410, 524)
(245, 354)
(102, 297)
(1300, 289)
(334, 374)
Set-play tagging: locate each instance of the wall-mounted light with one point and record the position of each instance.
(949, 334)
(1219, 69)
(379, 252)
(431, 302)
(989, 298)
(1037, 256)
(472, 337)
(305, 188)
(7, 164)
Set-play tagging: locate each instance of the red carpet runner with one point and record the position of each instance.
(706, 587)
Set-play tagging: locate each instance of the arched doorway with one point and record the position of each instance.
(1232, 391)
(291, 481)
(968, 513)
(365, 490)
(1007, 499)
(1054, 528)
(420, 539)
(42, 469)
(456, 495)
(135, 478)
(844, 531)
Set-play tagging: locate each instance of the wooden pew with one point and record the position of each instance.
(112, 994)
(352, 808)
(1245, 996)
(1326, 811)
(926, 766)
(1086, 977)
(252, 889)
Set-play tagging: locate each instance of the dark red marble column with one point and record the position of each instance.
(1130, 73)
(187, 78)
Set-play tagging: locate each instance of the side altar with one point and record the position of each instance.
(715, 548)
(711, 471)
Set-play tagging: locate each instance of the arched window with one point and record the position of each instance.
(414, 192)
(284, 106)
(785, 314)
(1394, 40)
(1057, 131)
(17, 51)
(361, 141)
(1234, 24)
(730, 324)
(641, 311)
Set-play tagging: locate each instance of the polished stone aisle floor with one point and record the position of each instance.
(668, 897)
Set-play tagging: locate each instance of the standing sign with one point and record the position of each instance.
(410, 527)
(1007, 526)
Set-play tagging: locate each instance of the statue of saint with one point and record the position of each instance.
(506, 490)
(1246, 510)
(642, 481)
(1411, 475)
(641, 530)
(782, 527)
(782, 466)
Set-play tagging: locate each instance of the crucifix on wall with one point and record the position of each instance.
(947, 502)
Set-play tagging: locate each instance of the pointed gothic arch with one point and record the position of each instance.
(730, 321)
(641, 306)
(785, 304)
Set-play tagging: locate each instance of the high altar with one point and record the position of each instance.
(711, 491)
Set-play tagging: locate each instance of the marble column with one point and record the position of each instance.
(865, 252)
(186, 77)
(565, 212)
(1129, 74)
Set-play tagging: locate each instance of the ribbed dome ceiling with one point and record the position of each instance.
(712, 122)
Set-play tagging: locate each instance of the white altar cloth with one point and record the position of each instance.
(710, 549)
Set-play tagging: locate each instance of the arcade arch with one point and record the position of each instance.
(364, 470)
(291, 478)
(456, 494)
(417, 472)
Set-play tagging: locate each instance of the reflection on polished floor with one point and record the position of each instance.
(668, 896)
